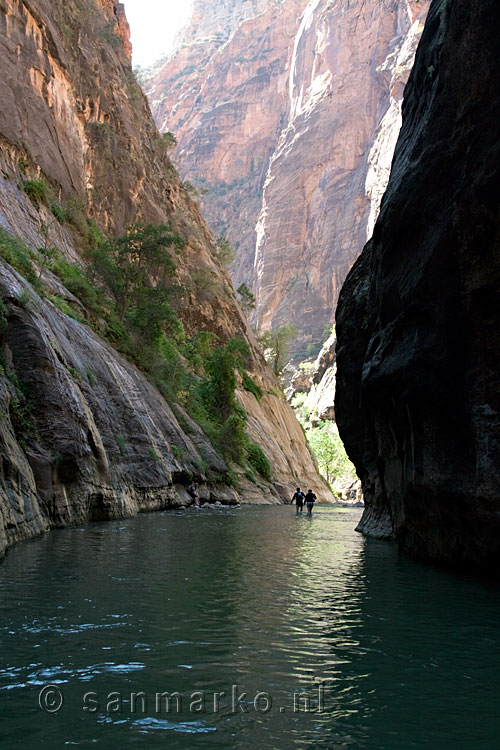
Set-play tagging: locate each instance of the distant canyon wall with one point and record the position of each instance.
(287, 114)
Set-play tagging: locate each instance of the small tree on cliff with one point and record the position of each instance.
(168, 141)
(247, 299)
(277, 344)
(138, 270)
(224, 252)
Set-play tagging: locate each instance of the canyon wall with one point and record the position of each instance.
(288, 119)
(83, 434)
(418, 355)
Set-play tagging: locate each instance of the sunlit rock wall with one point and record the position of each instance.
(290, 125)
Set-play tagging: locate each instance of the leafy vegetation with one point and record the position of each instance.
(137, 270)
(109, 35)
(258, 460)
(167, 141)
(18, 256)
(312, 350)
(59, 212)
(129, 294)
(277, 345)
(21, 408)
(224, 252)
(37, 190)
(247, 299)
(177, 451)
(249, 385)
(326, 444)
(3, 315)
(120, 441)
(329, 449)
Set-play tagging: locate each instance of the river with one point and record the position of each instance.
(316, 636)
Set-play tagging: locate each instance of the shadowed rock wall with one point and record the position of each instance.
(418, 397)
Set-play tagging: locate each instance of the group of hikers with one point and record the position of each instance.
(300, 500)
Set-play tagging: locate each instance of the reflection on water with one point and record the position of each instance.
(243, 613)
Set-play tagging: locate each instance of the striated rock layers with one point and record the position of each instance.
(83, 434)
(418, 356)
(289, 120)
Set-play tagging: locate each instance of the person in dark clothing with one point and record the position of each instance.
(193, 492)
(298, 499)
(310, 499)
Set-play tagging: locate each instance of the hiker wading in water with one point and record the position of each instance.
(298, 499)
(310, 500)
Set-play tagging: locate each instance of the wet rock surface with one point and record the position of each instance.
(418, 394)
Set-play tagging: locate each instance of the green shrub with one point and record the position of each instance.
(59, 212)
(3, 315)
(258, 460)
(277, 344)
(206, 282)
(120, 441)
(28, 300)
(126, 265)
(233, 438)
(190, 188)
(62, 304)
(37, 191)
(177, 451)
(198, 373)
(167, 141)
(74, 372)
(18, 256)
(76, 215)
(247, 298)
(109, 36)
(77, 282)
(224, 252)
(249, 385)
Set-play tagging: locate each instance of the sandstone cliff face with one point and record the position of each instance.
(216, 21)
(418, 354)
(73, 115)
(226, 103)
(291, 124)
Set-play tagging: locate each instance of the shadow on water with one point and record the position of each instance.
(258, 599)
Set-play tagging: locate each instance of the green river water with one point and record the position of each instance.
(269, 609)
